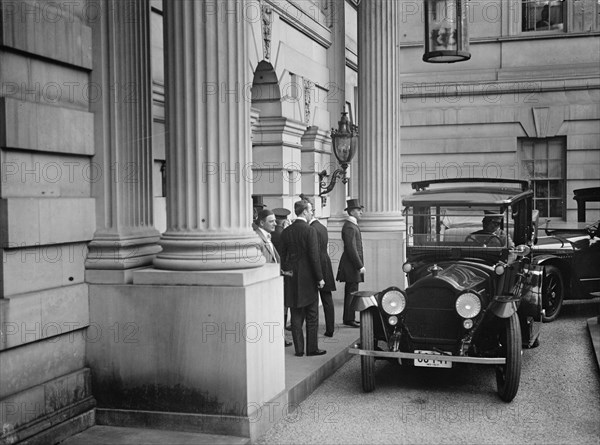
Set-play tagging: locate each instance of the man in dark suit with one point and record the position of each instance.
(325, 291)
(281, 222)
(303, 278)
(265, 225)
(351, 269)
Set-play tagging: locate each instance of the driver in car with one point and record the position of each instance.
(492, 234)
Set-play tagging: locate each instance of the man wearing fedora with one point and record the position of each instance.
(351, 269)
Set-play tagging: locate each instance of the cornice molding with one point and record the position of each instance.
(299, 15)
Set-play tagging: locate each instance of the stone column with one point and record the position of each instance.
(205, 312)
(336, 103)
(208, 139)
(125, 238)
(379, 141)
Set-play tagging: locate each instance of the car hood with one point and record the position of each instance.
(459, 277)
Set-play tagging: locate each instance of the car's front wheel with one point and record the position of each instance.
(367, 342)
(508, 375)
(553, 293)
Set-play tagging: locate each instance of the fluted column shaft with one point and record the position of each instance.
(379, 111)
(336, 54)
(208, 138)
(125, 237)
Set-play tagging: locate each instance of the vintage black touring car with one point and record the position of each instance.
(570, 254)
(473, 295)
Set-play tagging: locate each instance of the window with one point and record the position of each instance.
(560, 15)
(541, 15)
(542, 162)
(451, 226)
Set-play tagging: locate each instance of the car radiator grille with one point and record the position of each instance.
(430, 316)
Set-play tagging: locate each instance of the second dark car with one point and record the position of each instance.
(570, 255)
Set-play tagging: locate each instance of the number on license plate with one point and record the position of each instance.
(431, 362)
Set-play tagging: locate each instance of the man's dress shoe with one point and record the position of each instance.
(299, 354)
(316, 352)
(288, 343)
(352, 324)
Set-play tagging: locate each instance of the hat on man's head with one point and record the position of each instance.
(353, 204)
(281, 213)
(488, 214)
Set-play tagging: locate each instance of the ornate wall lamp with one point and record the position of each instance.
(446, 33)
(344, 141)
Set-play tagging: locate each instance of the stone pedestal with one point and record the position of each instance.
(195, 351)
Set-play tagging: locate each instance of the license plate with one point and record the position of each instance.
(431, 362)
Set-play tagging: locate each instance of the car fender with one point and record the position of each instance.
(540, 260)
(562, 264)
(503, 309)
(364, 299)
(531, 293)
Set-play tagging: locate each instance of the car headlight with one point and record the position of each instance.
(499, 268)
(407, 267)
(393, 302)
(468, 305)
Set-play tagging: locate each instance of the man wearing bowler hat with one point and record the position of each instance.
(351, 269)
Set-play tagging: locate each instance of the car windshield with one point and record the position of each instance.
(458, 226)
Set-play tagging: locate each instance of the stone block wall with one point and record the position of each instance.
(47, 217)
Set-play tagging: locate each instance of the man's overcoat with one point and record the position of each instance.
(300, 258)
(352, 258)
(326, 267)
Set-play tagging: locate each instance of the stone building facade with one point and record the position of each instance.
(134, 136)
(135, 133)
(526, 105)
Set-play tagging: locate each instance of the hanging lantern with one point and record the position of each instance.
(344, 140)
(446, 35)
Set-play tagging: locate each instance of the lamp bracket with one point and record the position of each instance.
(325, 188)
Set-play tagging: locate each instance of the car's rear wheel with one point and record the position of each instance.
(553, 293)
(367, 342)
(508, 375)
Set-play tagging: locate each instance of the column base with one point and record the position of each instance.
(116, 253)
(192, 251)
